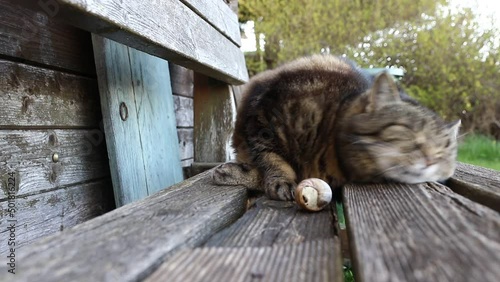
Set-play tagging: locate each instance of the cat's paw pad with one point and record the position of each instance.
(278, 188)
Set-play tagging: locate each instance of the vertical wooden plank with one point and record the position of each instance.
(136, 104)
(157, 121)
(122, 137)
(214, 117)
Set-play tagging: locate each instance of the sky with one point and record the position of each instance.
(485, 8)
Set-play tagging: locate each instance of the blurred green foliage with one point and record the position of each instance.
(451, 63)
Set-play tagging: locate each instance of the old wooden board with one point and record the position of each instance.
(479, 184)
(37, 97)
(214, 117)
(30, 154)
(219, 15)
(307, 261)
(169, 29)
(34, 36)
(421, 232)
(42, 214)
(182, 80)
(270, 223)
(127, 244)
(185, 143)
(139, 120)
(184, 113)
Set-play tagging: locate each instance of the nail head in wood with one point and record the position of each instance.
(123, 111)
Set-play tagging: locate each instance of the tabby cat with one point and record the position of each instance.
(323, 117)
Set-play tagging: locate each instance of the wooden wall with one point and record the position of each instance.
(51, 140)
(182, 89)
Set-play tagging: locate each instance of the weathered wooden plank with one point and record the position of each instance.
(186, 143)
(308, 261)
(120, 120)
(271, 223)
(218, 14)
(214, 116)
(34, 36)
(138, 114)
(479, 184)
(421, 232)
(156, 121)
(184, 113)
(43, 214)
(169, 30)
(182, 80)
(81, 157)
(128, 243)
(237, 93)
(34, 97)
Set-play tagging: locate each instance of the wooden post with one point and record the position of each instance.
(214, 116)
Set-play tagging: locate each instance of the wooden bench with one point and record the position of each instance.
(195, 231)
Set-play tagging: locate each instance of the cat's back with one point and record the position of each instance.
(318, 75)
(290, 104)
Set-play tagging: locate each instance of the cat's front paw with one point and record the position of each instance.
(280, 188)
(235, 174)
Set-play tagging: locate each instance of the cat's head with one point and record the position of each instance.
(394, 138)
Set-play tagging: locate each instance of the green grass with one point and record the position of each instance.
(480, 150)
(348, 275)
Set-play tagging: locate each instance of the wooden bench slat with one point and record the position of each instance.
(128, 243)
(479, 184)
(274, 222)
(308, 261)
(218, 14)
(421, 232)
(37, 97)
(32, 35)
(29, 153)
(169, 29)
(68, 207)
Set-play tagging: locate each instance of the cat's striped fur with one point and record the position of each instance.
(321, 116)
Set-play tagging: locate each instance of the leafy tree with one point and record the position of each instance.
(452, 65)
(293, 28)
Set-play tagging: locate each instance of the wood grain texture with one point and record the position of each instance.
(127, 244)
(186, 143)
(308, 261)
(143, 146)
(116, 86)
(184, 113)
(156, 121)
(271, 223)
(34, 36)
(214, 117)
(169, 30)
(479, 184)
(47, 213)
(421, 232)
(182, 80)
(37, 97)
(219, 15)
(28, 153)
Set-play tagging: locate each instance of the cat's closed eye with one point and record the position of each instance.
(395, 133)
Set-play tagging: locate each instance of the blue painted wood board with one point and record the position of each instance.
(143, 149)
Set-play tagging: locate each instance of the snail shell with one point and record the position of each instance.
(313, 194)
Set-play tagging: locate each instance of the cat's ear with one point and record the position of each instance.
(454, 128)
(384, 91)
